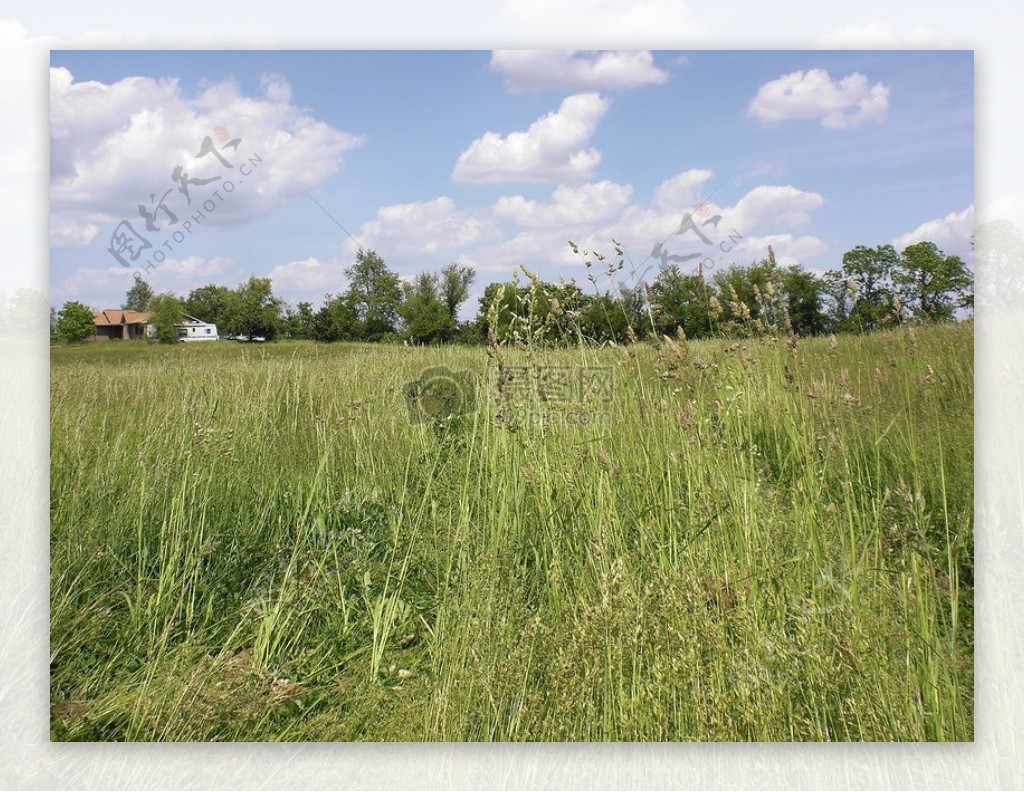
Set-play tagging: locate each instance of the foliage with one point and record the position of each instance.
(866, 294)
(300, 323)
(454, 283)
(425, 317)
(931, 284)
(138, 296)
(167, 313)
(254, 311)
(210, 303)
(336, 320)
(74, 323)
(375, 293)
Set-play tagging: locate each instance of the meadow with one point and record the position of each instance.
(728, 540)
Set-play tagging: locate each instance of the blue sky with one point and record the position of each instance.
(496, 159)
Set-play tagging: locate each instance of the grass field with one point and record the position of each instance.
(745, 542)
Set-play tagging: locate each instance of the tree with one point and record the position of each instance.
(138, 296)
(74, 323)
(932, 284)
(254, 311)
(867, 275)
(167, 313)
(681, 300)
(299, 322)
(455, 281)
(211, 303)
(375, 293)
(336, 320)
(426, 317)
(604, 319)
(804, 295)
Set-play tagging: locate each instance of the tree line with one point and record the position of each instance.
(872, 287)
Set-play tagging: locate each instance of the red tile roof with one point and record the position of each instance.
(115, 316)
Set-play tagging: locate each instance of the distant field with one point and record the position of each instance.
(744, 542)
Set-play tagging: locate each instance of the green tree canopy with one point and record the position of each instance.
(867, 287)
(375, 292)
(336, 320)
(455, 281)
(210, 303)
(426, 317)
(138, 296)
(74, 323)
(932, 284)
(167, 313)
(254, 311)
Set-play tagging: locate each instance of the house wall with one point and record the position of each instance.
(204, 332)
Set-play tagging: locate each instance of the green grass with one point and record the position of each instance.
(747, 542)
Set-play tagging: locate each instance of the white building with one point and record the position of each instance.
(192, 329)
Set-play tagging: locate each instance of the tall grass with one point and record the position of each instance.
(749, 541)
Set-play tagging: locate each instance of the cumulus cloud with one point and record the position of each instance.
(838, 104)
(307, 279)
(586, 204)
(682, 190)
(72, 231)
(779, 206)
(527, 71)
(552, 149)
(788, 249)
(423, 228)
(115, 146)
(515, 230)
(94, 285)
(952, 233)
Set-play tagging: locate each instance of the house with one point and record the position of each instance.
(192, 329)
(114, 323)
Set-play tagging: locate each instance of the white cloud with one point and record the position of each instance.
(528, 71)
(952, 233)
(788, 249)
(72, 231)
(307, 279)
(94, 285)
(839, 104)
(552, 149)
(114, 146)
(425, 228)
(682, 191)
(775, 206)
(516, 230)
(586, 204)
